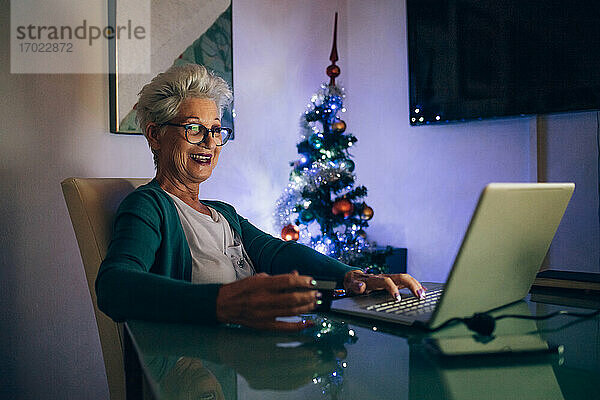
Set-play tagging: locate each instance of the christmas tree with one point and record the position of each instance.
(320, 206)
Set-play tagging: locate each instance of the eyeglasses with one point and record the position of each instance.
(197, 133)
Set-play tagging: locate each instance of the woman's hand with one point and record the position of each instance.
(358, 282)
(257, 301)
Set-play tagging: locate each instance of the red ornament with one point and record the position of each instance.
(333, 71)
(342, 206)
(290, 232)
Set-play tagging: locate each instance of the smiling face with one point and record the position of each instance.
(179, 161)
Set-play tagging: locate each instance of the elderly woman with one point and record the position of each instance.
(174, 257)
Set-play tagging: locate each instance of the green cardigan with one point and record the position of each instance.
(147, 271)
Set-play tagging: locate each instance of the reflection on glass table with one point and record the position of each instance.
(354, 358)
(186, 361)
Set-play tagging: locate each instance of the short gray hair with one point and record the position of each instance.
(160, 99)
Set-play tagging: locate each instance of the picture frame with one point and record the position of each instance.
(186, 31)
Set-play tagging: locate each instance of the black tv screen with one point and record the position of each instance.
(474, 59)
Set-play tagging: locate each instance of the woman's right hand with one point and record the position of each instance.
(257, 301)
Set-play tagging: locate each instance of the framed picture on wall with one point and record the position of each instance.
(186, 31)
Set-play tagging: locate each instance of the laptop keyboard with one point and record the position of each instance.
(411, 306)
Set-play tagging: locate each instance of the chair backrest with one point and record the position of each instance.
(92, 204)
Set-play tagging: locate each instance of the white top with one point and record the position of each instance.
(218, 255)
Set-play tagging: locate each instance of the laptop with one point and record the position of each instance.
(503, 248)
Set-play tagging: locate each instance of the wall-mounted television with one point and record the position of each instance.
(475, 59)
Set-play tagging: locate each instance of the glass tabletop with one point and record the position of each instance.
(351, 358)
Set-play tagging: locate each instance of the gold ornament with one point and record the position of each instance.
(366, 213)
(290, 232)
(339, 126)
